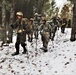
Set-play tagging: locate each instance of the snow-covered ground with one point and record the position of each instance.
(59, 60)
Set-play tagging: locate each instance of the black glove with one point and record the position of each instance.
(11, 25)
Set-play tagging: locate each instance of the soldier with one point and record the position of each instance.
(21, 34)
(54, 24)
(45, 30)
(29, 30)
(36, 25)
(64, 23)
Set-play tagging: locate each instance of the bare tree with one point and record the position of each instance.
(12, 11)
(73, 31)
(3, 21)
(3, 13)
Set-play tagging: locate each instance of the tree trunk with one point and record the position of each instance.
(10, 30)
(3, 13)
(73, 31)
(3, 34)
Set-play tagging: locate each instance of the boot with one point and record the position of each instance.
(24, 48)
(16, 53)
(17, 49)
(30, 40)
(44, 49)
(36, 35)
(52, 39)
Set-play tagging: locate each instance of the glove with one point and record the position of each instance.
(58, 28)
(41, 32)
(11, 25)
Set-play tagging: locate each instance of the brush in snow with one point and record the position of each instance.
(4, 44)
(66, 40)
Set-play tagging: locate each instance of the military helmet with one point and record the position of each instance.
(44, 20)
(19, 13)
(31, 19)
(36, 14)
(39, 15)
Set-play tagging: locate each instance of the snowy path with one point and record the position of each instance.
(59, 60)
